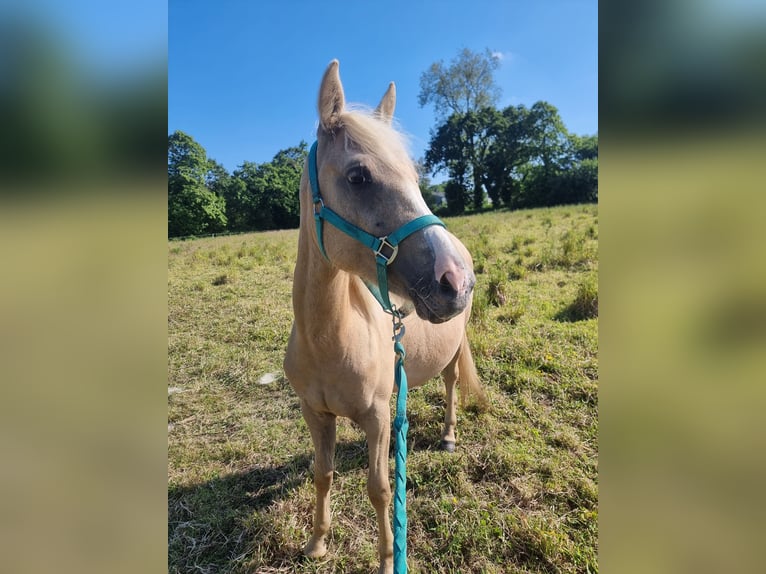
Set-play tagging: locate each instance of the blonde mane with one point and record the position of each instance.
(379, 139)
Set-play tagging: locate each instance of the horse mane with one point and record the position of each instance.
(378, 138)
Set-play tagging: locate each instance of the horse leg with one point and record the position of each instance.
(377, 427)
(322, 428)
(450, 374)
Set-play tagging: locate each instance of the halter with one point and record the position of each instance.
(385, 250)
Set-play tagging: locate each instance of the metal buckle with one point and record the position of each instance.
(397, 323)
(384, 243)
(320, 203)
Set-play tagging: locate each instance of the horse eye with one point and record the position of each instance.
(358, 175)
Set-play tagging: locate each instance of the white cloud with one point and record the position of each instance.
(504, 56)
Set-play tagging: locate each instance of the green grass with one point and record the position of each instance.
(520, 494)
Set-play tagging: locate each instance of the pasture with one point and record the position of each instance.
(520, 493)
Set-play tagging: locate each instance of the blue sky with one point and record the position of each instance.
(243, 76)
(103, 38)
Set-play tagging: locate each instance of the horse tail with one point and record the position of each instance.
(468, 378)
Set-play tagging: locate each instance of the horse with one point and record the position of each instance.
(339, 359)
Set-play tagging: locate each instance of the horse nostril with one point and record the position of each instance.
(449, 282)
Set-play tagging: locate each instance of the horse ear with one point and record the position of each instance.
(331, 98)
(387, 104)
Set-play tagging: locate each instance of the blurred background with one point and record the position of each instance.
(83, 120)
(83, 94)
(83, 244)
(683, 329)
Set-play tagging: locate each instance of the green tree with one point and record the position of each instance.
(549, 149)
(232, 189)
(457, 196)
(193, 209)
(564, 167)
(466, 85)
(266, 196)
(216, 177)
(584, 147)
(464, 92)
(582, 175)
(432, 194)
(446, 151)
(462, 145)
(287, 167)
(238, 204)
(548, 137)
(254, 211)
(510, 151)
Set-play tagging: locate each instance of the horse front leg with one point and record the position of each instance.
(450, 375)
(377, 427)
(322, 427)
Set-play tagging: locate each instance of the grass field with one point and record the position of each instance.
(520, 493)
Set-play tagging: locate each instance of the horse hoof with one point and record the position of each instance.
(448, 445)
(315, 549)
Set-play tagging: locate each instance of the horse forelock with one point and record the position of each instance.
(379, 139)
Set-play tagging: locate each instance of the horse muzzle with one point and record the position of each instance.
(441, 301)
(435, 276)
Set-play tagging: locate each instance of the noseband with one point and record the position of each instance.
(384, 248)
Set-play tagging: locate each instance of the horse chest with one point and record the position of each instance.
(345, 376)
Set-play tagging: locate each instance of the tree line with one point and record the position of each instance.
(204, 198)
(515, 157)
(512, 158)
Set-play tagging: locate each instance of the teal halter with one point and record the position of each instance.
(385, 250)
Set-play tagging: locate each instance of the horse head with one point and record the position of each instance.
(368, 179)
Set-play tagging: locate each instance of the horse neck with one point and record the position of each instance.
(321, 292)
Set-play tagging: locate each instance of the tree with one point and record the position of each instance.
(466, 85)
(462, 146)
(549, 157)
(584, 147)
(285, 185)
(192, 208)
(254, 212)
(548, 137)
(510, 151)
(216, 177)
(583, 173)
(563, 167)
(446, 151)
(456, 195)
(266, 196)
(432, 194)
(238, 206)
(463, 93)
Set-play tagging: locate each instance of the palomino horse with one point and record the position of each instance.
(340, 358)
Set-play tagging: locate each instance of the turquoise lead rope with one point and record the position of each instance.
(401, 424)
(385, 249)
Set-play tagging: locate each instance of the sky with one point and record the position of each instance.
(104, 38)
(243, 77)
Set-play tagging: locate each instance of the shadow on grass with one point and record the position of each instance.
(227, 523)
(424, 435)
(214, 525)
(576, 312)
